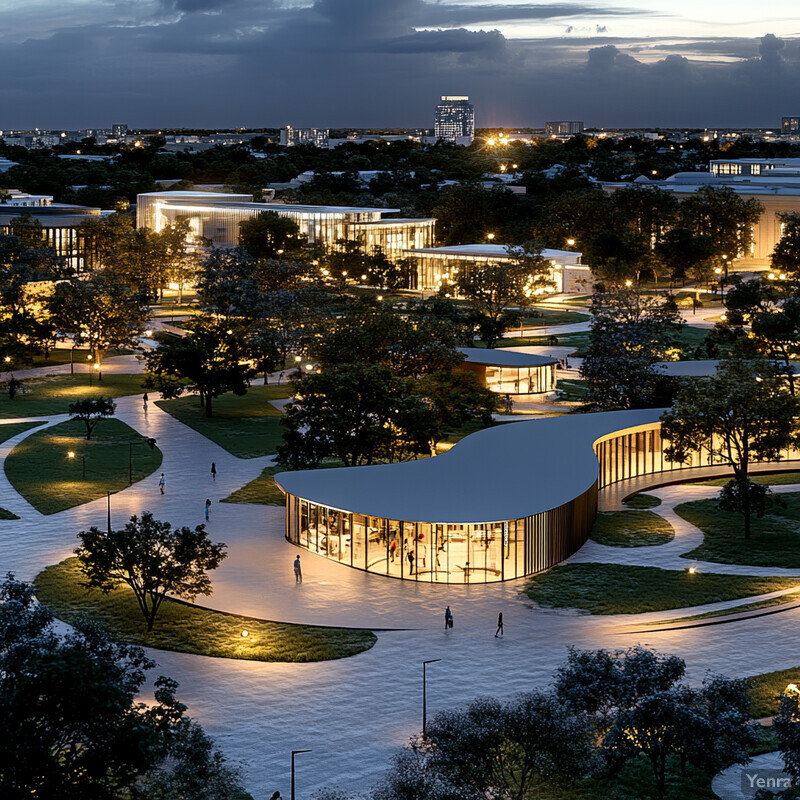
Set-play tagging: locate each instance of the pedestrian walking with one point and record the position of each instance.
(144, 402)
(448, 618)
(275, 796)
(162, 482)
(208, 508)
(410, 557)
(214, 471)
(392, 549)
(298, 575)
(499, 631)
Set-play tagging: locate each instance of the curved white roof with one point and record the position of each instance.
(503, 358)
(505, 472)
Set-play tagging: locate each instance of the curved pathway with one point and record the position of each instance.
(354, 712)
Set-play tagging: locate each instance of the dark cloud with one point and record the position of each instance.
(455, 15)
(366, 62)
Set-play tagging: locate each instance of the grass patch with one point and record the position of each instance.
(623, 589)
(631, 529)
(5, 514)
(13, 428)
(784, 599)
(186, 628)
(246, 426)
(572, 390)
(774, 542)
(783, 479)
(48, 396)
(261, 490)
(39, 469)
(765, 691)
(551, 316)
(643, 501)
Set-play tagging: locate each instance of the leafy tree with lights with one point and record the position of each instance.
(744, 414)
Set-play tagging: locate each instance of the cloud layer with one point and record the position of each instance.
(220, 63)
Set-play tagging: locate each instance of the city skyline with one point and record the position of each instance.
(225, 63)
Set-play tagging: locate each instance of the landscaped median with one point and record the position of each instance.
(246, 426)
(774, 541)
(186, 628)
(41, 469)
(623, 589)
(41, 397)
(636, 528)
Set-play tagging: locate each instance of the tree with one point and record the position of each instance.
(742, 495)
(744, 414)
(152, 558)
(91, 410)
(504, 750)
(787, 726)
(272, 236)
(72, 726)
(785, 257)
(215, 358)
(630, 334)
(98, 312)
(720, 214)
(492, 288)
(685, 254)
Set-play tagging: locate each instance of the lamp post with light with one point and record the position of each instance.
(719, 273)
(72, 456)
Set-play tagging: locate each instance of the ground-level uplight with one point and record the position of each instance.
(245, 634)
(692, 570)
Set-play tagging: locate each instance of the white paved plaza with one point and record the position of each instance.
(353, 713)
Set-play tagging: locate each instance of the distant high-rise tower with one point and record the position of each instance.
(790, 126)
(455, 120)
(118, 130)
(291, 137)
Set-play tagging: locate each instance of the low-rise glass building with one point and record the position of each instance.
(509, 372)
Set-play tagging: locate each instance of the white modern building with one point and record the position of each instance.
(216, 217)
(439, 266)
(563, 127)
(14, 198)
(455, 120)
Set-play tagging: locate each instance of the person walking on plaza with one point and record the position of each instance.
(499, 631)
(208, 508)
(298, 575)
(448, 618)
(162, 482)
(214, 471)
(144, 402)
(410, 557)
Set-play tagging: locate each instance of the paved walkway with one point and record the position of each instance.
(740, 782)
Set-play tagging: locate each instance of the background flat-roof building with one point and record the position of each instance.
(563, 127)
(455, 119)
(291, 137)
(216, 216)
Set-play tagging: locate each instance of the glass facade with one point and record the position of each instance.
(480, 552)
(441, 553)
(455, 119)
(521, 380)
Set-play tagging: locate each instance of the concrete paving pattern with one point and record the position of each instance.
(353, 713)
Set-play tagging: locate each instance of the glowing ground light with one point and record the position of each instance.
(692, 570)
(245, 634)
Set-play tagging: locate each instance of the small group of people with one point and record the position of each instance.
(448, 623)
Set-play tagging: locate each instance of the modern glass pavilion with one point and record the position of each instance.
(505, 502)
(507, 372)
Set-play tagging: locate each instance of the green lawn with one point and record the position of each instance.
(774, 542)
(246, 426)
(40, 470)
(781, 479)
(766, 689)
(637, 528)
(48, 396)
(262, 490)
(5, 514)
(784, 599)
(642, 501)
(188, 629)
(623, 589)
(572, 390)
(13, 428)
(551, 316)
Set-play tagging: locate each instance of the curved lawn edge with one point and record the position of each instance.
(631, 528)
(624, 589)
(186, 628)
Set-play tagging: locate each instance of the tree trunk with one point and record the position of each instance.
(208, 406)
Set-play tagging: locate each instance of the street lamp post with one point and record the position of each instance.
(294, 753)
(71, 455)
(720, 274)
(425, 694)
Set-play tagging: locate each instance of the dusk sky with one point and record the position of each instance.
(332, 63)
